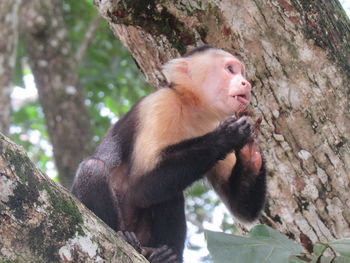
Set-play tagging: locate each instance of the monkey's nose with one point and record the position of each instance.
(245, 84)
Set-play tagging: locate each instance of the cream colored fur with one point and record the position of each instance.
(171, 115)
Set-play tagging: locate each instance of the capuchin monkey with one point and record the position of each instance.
(170, 139)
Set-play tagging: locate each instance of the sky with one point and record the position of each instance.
(346, 5)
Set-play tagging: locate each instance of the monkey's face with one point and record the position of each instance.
(225, 87)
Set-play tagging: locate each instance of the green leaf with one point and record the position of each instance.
(111, 104)
(341, 260)
(264, 245)
(295, 259)
(319, 248)
(341, 246)
(265, 232)
(56, 179)
(325, 259)
(197, 190)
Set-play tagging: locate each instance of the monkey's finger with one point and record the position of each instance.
(245, 128)
(147, 251)
(158, 251)
(242, 110)
(131, 239)
(242, 120)
(162, 255)
(136, 242)
(122, 235)
(166, 255)
(257, 126)
(172, 259)
(128, 235)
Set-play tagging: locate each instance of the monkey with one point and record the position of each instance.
(189, 130)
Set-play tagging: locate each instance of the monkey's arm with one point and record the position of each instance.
(244, 188)
(246, 191)
(184, 163)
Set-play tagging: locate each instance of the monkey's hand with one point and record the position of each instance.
(250, 157)
(131, 238)
(162, 254)
(236, 132)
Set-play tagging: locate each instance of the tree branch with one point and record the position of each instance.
(41, 222)
(90, 32)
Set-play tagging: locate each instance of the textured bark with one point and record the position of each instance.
(297, 58)
(41, 222)
(8, 45)
(55, 70)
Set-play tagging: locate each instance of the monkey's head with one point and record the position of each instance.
(214, 76)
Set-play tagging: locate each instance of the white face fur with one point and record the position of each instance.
(224, 87)
(215, 76)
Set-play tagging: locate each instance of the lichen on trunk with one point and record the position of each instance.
(41, 222)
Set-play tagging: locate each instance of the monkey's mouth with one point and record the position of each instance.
(242, 99)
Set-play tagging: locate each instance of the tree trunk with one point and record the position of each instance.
(8, 46)
(297, 58)
(41, 222)
(55, 71)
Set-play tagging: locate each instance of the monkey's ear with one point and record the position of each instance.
(176, 71)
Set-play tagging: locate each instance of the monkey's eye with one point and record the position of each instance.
(230, 69)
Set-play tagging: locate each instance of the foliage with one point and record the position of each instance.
(108, 75)
(264, 244)
(28, 125)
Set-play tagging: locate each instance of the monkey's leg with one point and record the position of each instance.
(91, 188)
(169, 225)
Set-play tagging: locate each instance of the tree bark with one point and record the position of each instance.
(297, 58)
(8, 46)
(54, 67)
(41, 222)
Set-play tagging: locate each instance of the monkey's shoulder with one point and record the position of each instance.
(161, 102)
(159, 114)
(159, 125)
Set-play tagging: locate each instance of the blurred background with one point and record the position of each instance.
(101, 82)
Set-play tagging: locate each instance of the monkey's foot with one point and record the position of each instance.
(131, 238)
(163, 254)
